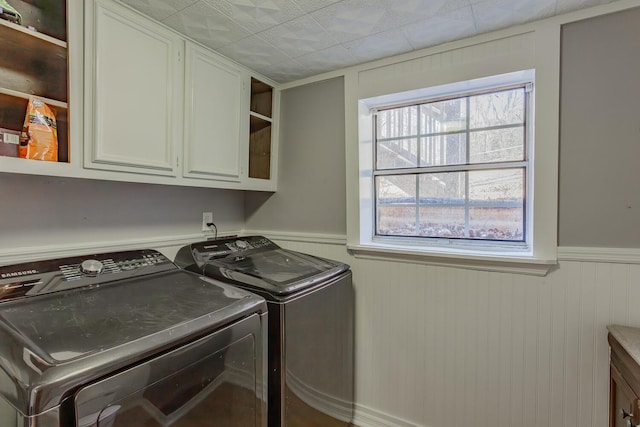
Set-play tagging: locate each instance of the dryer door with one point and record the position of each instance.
(216, 380)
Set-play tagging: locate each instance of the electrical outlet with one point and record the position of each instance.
(207, 217)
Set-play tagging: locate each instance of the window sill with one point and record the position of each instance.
(473, 260)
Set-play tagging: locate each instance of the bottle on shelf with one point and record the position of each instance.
(33, 62)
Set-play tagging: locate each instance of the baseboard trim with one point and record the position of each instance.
(333, 406)
(365, 416)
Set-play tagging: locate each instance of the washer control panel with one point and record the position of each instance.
(108, 265)
(29, 279)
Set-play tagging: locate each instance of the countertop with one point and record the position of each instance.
(629, 339)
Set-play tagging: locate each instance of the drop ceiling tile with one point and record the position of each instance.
(286, 71)
(159, 9)
(298, 37)
(258, 15)
(496, 14)
(323, 35)
(442, 28)
(565, 6)
(352, 19)
(402, 12)
(253, 51)
(312, 5)
(329, 59)
(379, 45)
(206, 25)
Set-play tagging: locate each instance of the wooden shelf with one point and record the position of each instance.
(261, 98)
(258, 122)
(260, 130)
(14, 33)
(25, 96)
(260, 153)
(35, 62)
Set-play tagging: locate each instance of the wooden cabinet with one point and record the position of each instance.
(133, 91)
(213, 111)
(624, 406)
(33, 61)
(260, 130)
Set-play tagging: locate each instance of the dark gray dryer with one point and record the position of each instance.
(311, 324)
(128, 339)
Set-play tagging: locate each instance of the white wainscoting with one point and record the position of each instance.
(440, 346)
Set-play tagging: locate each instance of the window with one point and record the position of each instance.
(453, 167)
(450, 167)
(397, 207)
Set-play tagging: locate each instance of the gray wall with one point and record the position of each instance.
(599, 201)
(311, 180)
(38, 210)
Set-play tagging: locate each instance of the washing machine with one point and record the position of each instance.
(311, 324)
(128, 339)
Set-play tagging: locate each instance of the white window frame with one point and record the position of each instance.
(527, 49)
(488, 84)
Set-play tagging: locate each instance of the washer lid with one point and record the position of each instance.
(276, 271)
(52, 343)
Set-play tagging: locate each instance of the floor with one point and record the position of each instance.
(231, 405)
(303, 415)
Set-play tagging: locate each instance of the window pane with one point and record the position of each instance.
(443, 116)
(396, 189)
(397, 154)
(442, 221)
(442, 204)
(397, 122)
(497, 204)
(442, 188)
(443, 150)
(498, 145)
(396, 221)
(396, 203)
(496, 109)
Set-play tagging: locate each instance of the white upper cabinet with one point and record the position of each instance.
(213, 112)
(135, 101)
(133, 91)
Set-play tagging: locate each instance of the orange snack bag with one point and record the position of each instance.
(40, 134)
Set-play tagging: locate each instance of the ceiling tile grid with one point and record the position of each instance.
(445, 27)
(160, 9)
(206, 25)
(299, 37)
(288, 40)
(257, 15)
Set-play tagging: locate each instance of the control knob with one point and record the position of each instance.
(91, 267)
(241, 244)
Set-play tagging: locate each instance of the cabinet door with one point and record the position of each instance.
(214, 92)
(133, 92)
(624, 407)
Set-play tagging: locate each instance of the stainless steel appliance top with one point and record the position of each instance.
(65, 322)
(259, 264)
